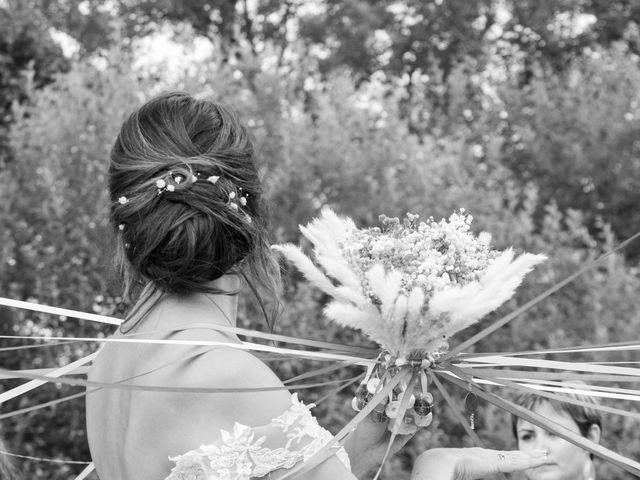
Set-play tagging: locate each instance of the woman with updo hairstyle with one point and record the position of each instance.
(187, 205)
(191, 232)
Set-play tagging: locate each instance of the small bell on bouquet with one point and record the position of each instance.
(409, 286)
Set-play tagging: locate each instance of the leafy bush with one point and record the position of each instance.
(341, 145)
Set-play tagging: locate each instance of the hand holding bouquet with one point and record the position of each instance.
(409, 285)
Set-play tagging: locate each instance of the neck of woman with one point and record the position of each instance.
(172, 311)
(226, 303)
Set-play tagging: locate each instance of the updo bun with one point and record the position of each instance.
(186, 198)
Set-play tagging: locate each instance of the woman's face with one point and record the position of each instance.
(569, 462)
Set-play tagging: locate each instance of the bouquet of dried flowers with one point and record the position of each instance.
(409, 285)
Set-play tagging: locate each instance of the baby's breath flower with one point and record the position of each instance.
(430, 254)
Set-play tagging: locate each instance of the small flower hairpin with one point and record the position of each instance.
(240, 198)
(162, 186)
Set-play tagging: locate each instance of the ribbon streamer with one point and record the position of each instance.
(62, 312)
(325, 452)
(531, 303)
(39, 380)
(85, 473)
(36, 307)
(524, 388)
(241, 346)
(461, 380)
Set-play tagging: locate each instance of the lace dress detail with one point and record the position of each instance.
(248, 452)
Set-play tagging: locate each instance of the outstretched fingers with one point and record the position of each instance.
(474, 463)
(515, 460)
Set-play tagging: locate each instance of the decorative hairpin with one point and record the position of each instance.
(163, 186)
(241, 198)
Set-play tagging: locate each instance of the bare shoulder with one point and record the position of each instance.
(235, 384)
(229, 366)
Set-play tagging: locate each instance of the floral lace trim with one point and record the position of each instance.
(241, 455)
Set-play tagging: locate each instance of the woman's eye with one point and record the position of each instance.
(525, 437)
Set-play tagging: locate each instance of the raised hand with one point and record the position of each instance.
(473, 463)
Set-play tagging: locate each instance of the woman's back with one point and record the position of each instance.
(132, 433)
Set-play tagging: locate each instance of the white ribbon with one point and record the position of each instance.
(240, 346)
(63, 312)
(27, 387)
(84, 473)
(501, 361)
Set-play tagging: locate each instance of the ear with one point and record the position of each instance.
(594, 433)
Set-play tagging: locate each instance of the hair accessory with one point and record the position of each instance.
(178, 179)
(121, 227)
(239, 197)
(123, 200)
(168, 187)
(213, 179)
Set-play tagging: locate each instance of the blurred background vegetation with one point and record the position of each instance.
(524, 112)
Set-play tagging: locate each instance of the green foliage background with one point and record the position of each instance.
(545, 156)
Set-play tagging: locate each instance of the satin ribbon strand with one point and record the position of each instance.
(491, 377)
(621, 461)
(86, 392)
(404, 403)
(324, 356)
(456, 412)
(336, 390)
(529, 375)
(354, 350)
(549, 364)
(27, 347)
(326, 451)
(605, 347)
(47, 460)
(574, 386)
(161, 388)
(551, 394)
(86, 472)
(182, 358)
(531, 303)
(477, 441)
(42, 371)
(40, 406)
(61, 312)
(36, 307)
(317, 372)
(38, 380)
